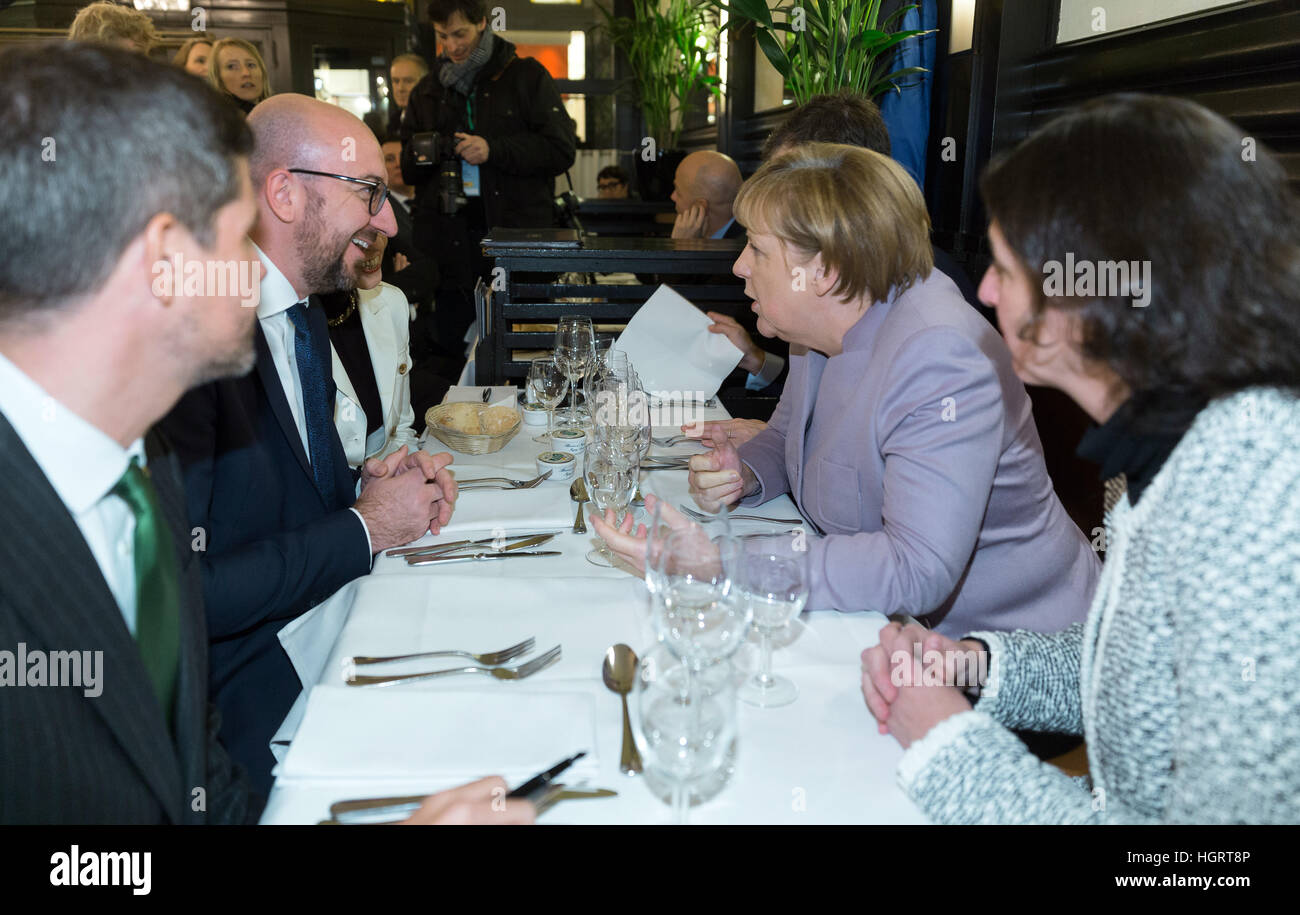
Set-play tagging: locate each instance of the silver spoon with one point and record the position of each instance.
(578, 493)
(618, 672)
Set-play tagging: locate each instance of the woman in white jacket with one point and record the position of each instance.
(1148, 268)
(370, 344)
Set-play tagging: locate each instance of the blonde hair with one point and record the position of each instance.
(214, 72)
(105, 23)
(183, 53)
(860, 210)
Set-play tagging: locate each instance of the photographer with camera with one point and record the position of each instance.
(484, 135)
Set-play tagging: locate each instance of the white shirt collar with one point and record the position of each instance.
(81, 462)
(278, 293)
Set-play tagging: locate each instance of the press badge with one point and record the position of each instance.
(469, 179)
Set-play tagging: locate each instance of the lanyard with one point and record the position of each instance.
(469, 110)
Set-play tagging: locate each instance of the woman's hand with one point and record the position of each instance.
(714, 432)
(719, 478)
(628, 544)
(894, 685)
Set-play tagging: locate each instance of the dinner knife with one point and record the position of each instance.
(456, 544)
(533, 540)
(467, 557)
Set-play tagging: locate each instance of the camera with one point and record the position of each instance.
(437, 150)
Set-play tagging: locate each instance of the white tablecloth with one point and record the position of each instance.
(818, 760)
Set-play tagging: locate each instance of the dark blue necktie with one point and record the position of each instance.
(315, 402)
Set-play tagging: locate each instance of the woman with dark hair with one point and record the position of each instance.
(1149, 267)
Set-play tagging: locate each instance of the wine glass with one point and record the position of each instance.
(772, 577)
(546, 384)
(700, 615)
(574, 354)
(611, 476)
(685, 726)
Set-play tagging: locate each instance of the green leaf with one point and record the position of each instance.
(774, 52)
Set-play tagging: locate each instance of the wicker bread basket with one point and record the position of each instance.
(437, 421)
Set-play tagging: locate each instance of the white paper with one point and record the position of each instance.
(669, 345)
(502, 395)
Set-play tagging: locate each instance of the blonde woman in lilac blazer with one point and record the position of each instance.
(903, 436)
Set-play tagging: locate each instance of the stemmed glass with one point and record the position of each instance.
(685, 726)
(772, 577)
(700, 614)
(574, 354)
(546, 384)
(611, 477)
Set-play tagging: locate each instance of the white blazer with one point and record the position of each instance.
(385, 317)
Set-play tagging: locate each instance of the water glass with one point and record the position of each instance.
(611, 477)
(574, 354)
(685, 727)
(772, 577)
(699, 614)
(546, 386)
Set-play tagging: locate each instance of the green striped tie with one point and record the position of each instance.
(157, 588)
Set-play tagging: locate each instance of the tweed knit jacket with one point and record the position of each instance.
(1185, 677)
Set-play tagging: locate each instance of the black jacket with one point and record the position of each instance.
(69, 758)
(274, 549)
(530, 141)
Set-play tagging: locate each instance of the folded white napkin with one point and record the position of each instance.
(442, 733)
(546, 506)
(669, 344)
(502, 395)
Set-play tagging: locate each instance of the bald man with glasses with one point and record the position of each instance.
(286, 522)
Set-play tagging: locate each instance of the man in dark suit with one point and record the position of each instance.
(266, 478)
(99, 590)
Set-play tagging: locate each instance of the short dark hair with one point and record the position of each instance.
(1145, 178)
(474, 11)
(612, 171)
(845, 117)
(97, 141)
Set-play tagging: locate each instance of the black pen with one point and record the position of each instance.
(535, 786)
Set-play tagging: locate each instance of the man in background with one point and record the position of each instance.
(405, 71)
(502, 137)
(611, 183)
(704, 187)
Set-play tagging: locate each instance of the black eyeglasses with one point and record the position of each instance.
(378, 190)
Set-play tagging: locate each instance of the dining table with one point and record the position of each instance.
(818, 760)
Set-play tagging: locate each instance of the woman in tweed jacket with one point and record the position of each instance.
(1185, 678)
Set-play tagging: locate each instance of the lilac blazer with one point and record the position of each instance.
(914, 453)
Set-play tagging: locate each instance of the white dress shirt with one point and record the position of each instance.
(277, 297)
(82, 464)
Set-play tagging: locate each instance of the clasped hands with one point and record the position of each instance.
(405, 495)
(895, 677)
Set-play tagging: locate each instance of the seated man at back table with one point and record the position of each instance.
(847, 118)
(704, 188)
(266, 476)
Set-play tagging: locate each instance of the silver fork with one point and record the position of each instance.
(510, 484)
(670, 440)
(489, 658)
(538, 663)
(700, 516)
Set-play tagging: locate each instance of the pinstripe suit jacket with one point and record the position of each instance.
(69, 758)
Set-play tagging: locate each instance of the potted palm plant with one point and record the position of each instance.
(667, 48)
(821, 46)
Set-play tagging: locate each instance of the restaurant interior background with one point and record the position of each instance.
(1000, 69)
